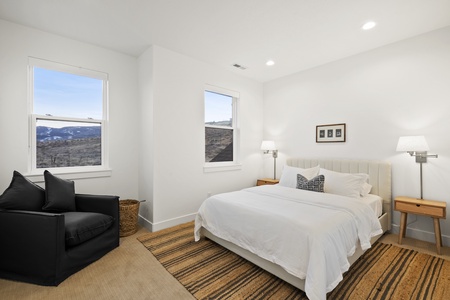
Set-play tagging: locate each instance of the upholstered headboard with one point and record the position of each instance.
(379, 176)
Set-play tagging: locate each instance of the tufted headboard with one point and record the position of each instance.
(379, 177)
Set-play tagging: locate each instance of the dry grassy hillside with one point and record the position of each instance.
(67, 153)
(216, 140)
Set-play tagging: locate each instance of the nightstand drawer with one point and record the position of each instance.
(265, 181)
(420, 209)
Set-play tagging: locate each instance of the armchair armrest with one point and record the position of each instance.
(32, 242)
(108, 205)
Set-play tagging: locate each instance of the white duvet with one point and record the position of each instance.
(309, 234)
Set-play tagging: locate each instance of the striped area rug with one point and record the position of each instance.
(209, 271)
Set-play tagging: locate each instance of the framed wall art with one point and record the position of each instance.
(330, 133)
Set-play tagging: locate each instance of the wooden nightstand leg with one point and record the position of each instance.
(437, 233)
(402, 233)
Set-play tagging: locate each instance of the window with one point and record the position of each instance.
(68, 117)
(221, 133)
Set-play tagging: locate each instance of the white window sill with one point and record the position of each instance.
(221, 167)
(38, 176)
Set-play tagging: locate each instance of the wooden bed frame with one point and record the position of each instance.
(380, 179)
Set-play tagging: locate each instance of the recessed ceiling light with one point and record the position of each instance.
(270, 63)
(369, 25)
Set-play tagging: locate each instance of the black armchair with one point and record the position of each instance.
(34, 246)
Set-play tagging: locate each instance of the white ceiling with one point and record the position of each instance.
(296, 34)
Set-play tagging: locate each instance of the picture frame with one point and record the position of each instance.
(331, 133)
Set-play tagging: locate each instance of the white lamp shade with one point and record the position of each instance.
(268, 145)
(412, 143)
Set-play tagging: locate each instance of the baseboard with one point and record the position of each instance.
(421, 235)
(145, 223)
(410, 232)
(165, 224)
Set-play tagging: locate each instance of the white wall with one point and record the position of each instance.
(146, 136)
(17, 44)
(179, 183)
(397, 90)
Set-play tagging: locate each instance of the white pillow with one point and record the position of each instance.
(365, 190)
(345, 184)
(289, 175)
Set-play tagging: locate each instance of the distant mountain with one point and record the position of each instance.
(44, 133)
(220, 123)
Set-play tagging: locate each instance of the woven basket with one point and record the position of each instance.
(128, 216)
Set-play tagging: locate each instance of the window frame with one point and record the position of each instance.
(68, 172)
(228, 165)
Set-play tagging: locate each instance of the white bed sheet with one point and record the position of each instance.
(308, 234)
(375, 202)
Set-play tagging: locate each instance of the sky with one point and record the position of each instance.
(67, 95)
(218, 107)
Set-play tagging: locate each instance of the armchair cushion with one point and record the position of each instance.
(59, 194)
(22, 194)
(82, 226)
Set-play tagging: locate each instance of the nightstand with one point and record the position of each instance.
(435, 209)
(265, 181)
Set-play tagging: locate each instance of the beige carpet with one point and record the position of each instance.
(210, 271)
(128, 272)
(132, 272)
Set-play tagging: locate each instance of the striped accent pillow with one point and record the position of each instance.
(315, 184)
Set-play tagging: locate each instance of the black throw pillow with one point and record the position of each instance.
(315, 184)
(22, 194)
(59, 194)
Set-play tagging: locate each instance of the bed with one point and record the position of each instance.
(263, 224)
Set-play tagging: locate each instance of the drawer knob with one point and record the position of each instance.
(418, 205)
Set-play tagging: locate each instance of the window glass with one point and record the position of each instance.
(68, 95)
(67, 144)
(219, 144)
(218, 109)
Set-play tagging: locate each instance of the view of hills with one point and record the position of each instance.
(68, 146)
(44, 133)
(81, 145)
(218, 144)
(227, 123)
